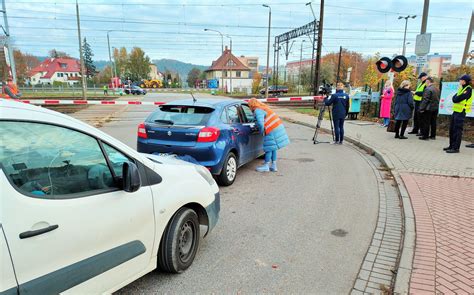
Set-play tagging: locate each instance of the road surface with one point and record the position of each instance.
(304, 229)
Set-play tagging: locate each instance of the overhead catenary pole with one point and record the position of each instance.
(319, 49)
(268, 46)
(468, 40)
(83, 68)
(299, 71)
(10, 56)
(110, 60)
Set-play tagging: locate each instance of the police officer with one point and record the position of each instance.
(340, 103)
(417, 97)
(462, 102)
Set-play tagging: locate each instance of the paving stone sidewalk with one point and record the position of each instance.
(439, 210)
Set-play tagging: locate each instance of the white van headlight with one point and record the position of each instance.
(205, 174)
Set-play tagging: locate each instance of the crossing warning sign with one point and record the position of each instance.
(423, 43)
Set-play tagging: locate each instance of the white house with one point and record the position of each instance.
(62, 69)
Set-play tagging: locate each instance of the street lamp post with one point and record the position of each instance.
(231, 64)
(222, 49)
(405, 33)
(268, 45)
(299, 71)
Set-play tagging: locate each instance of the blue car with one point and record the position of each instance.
(219, 134)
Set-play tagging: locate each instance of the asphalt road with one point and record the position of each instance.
(304, 229)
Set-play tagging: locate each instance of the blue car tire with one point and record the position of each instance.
(229, 171)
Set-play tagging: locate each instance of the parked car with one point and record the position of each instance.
(84, 213)
(135, 90)
(219, 134)
(274, 90)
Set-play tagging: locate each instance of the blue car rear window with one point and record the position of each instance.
(180, 115)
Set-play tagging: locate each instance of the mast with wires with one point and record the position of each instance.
(6, 30)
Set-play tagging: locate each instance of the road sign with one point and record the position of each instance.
(421, 60)
(423, 42)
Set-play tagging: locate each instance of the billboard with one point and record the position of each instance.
(446, 99)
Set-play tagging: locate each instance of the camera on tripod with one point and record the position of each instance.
(325, 89)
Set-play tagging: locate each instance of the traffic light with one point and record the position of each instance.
(397, 64)
(384, 64)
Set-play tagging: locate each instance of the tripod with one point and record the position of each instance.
(322, 110)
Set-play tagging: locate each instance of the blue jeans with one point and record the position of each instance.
(386, 121)
(270, 156)
(339, 129)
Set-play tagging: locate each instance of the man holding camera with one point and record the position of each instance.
(340, 108)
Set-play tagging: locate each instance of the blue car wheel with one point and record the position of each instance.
(229, 171)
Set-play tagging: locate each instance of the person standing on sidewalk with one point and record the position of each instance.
(386, 103)
(403, 108)
(462, 102)
(106, 90)
(418, 95)
(340, 103)
(429, 110)
(275, 136)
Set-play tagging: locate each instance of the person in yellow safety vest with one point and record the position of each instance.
(417, 97)
(462, 103)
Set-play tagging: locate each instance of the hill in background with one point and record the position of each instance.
(180, 67)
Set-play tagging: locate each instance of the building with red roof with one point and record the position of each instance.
(62, 69)
(227, 66)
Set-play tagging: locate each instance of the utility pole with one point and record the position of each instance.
(268, 46)
(231, 64)
(10, 57)
(468, 40)
(339, 65)
(319, 49)
(110, 60)
(424, 21)
(299, 71)
(83, 68)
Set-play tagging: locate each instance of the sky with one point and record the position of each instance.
(175, 28)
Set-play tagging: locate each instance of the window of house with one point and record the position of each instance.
(51, 162)
(225, 74)
(238, 74)
(230, 63)
(63, 65)
(76, 75)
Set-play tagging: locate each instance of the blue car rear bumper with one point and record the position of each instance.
(207, 154)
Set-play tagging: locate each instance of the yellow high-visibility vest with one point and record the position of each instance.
(420, 87)
(465, 104)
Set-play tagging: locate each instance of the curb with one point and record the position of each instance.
(405, 264)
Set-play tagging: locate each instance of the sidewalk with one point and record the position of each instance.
(437, 190)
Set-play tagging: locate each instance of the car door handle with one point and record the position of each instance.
(32, 233)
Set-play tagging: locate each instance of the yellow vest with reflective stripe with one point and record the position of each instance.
(420, 87)
(465, 104)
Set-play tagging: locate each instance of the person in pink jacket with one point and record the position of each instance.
(386, 103)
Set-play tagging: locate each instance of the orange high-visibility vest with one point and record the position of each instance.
(272, 121)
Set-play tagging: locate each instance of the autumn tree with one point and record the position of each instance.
(121, 60)
(408, 74)
(104, 76)
(24, 64)
(349, 59)
(371, 75)
(138, 64)
(193, 77)
(455, 72)
(257, 79)
(53, 53)
(88, 62)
